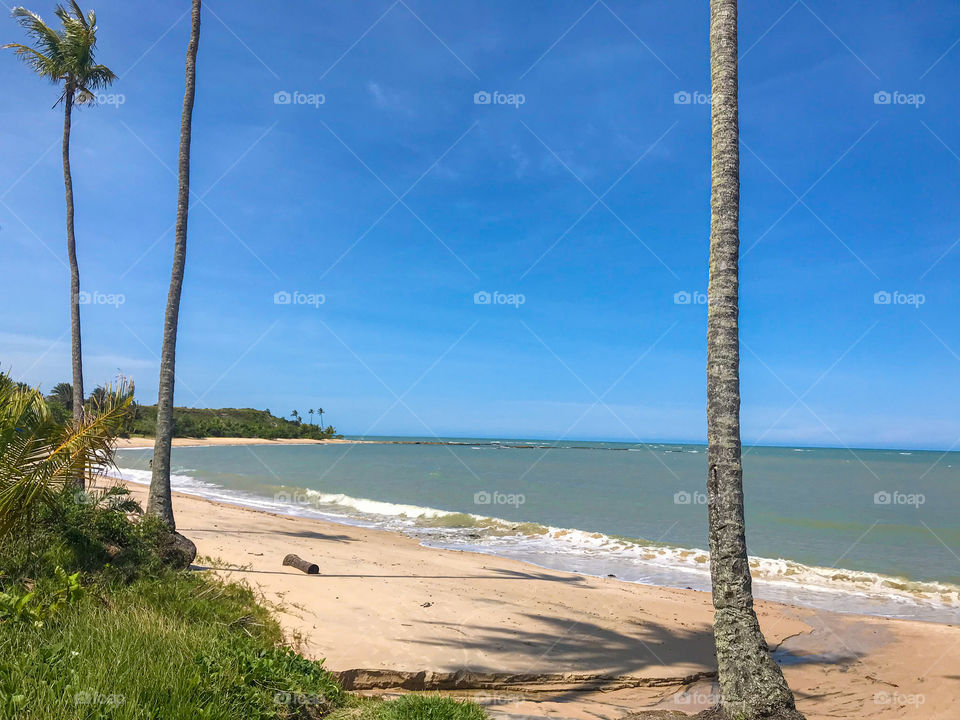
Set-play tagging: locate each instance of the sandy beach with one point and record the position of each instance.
(391, 615)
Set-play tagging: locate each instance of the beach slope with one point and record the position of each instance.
(392, 615)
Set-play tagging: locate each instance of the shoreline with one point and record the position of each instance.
(566, 549)
(389, 613)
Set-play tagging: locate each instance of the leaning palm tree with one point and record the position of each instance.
(66, 56)
(751, 683)
(160, 502)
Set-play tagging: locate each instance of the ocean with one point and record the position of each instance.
(864, 531)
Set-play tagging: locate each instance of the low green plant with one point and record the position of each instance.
(26, 607)
(410, 707)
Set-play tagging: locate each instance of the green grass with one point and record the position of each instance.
(140, 641)
(177, 646)
(410, 707)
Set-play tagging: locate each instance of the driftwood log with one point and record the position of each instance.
(295, 561)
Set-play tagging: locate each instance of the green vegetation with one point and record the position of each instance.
(188, 422)
(124, 636)
(39, 454)
(226, 422)
(127, 638)
(411, 707)
(97, 623)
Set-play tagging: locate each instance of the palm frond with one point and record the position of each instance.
(65, 55)
(48, 40)
(37, 61)
(39, 456)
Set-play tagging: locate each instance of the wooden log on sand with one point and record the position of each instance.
(302, 565)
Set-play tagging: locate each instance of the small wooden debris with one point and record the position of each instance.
(295, 561)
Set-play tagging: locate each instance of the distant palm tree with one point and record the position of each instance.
(97, 397)
(751, 683)
(320, 411)
(66, 56)
(296, 416)
(311, 415)
(160, 502)
(63, 394)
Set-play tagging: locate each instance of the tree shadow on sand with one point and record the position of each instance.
(638, 649)
(302, 534)
(556, 645)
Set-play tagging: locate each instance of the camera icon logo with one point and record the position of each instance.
(281, 97)
(281, 297)
(481, 298)
(881, 297)
(882, 97)
(682, 98)
(682, 298)
(882, 498)
(482, 498)
(481, 97)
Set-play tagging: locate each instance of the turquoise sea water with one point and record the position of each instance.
(867, 530)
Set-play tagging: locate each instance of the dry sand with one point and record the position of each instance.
(391, 615)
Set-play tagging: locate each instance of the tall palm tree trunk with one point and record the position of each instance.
(751, 683)
(72, 258)
(160, 502)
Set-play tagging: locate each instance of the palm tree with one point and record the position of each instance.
(66, 56)
(160, 502)
(311, 415)
(751, 683)
(97, 396)
(63, 394)
(320, 412)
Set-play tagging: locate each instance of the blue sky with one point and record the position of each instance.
(399, 197)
